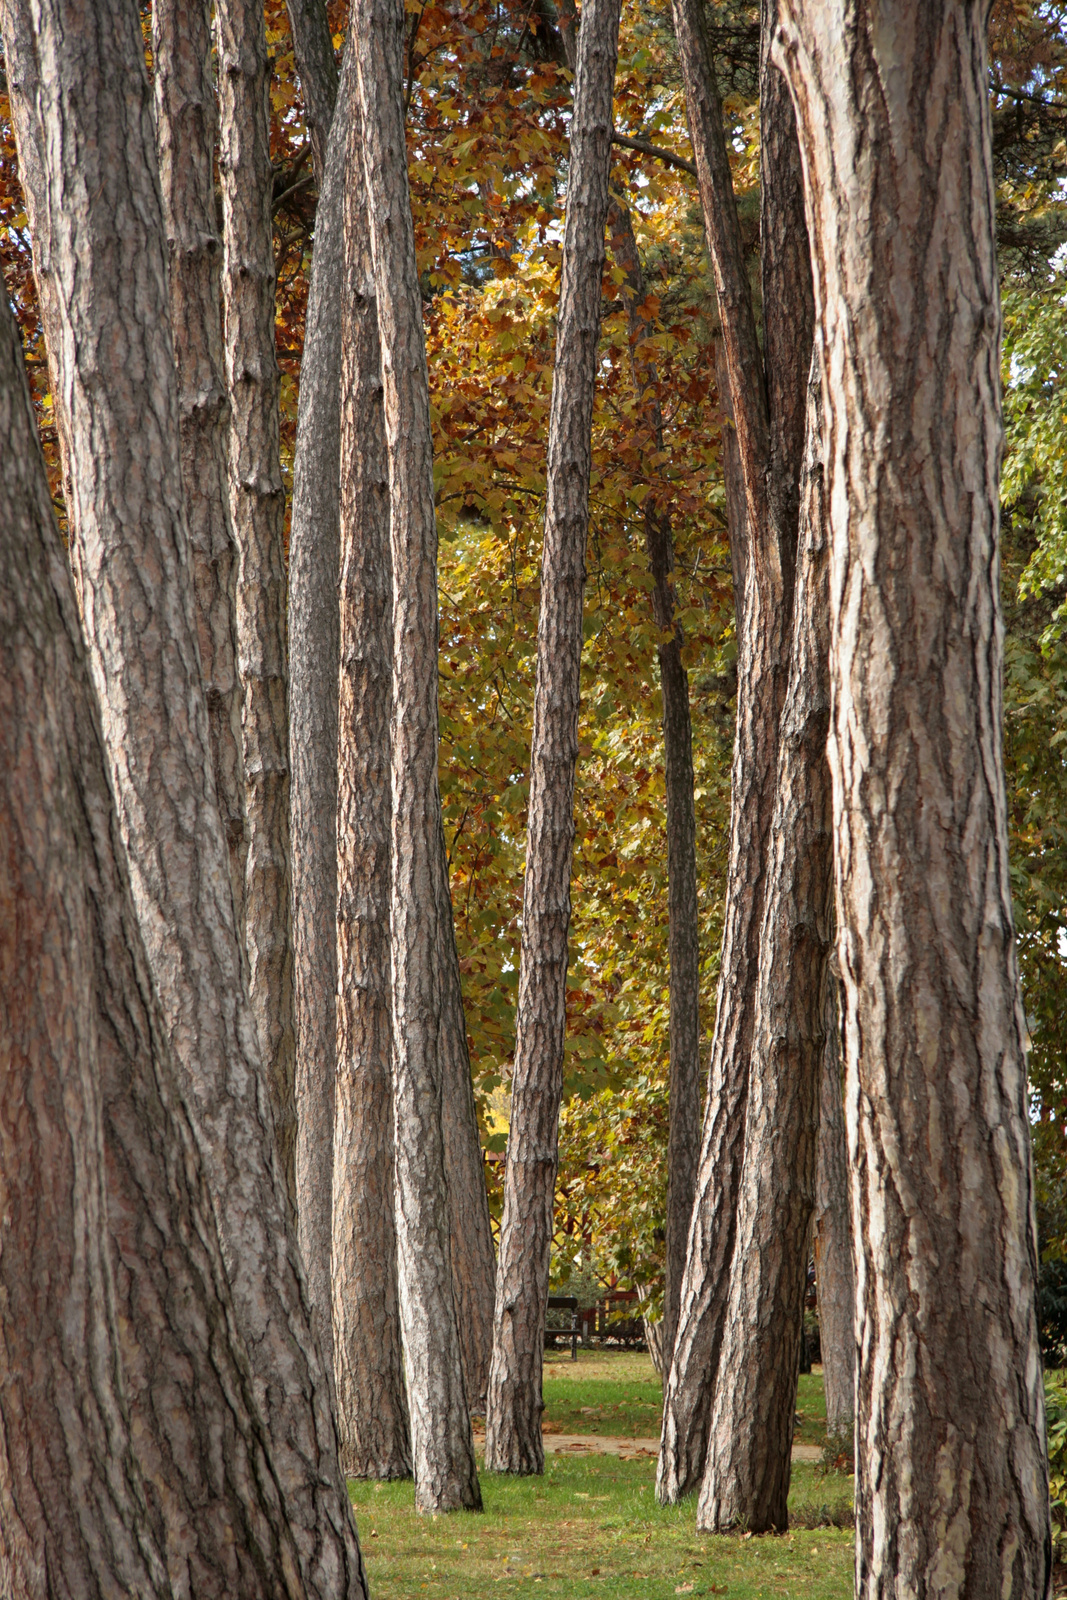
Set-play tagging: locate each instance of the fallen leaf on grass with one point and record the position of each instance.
(684, 1588)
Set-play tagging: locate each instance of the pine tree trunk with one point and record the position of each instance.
(133, 1459)
(746, 1480)
(257, 498)
(372, 1409)
(951, 1489)
(316, 67)
(513, 1415)
(763, 628)
(314, 567)
(835, 1271)
(102, 247)
(443, 1449)
(683, 1142)
(186, 121)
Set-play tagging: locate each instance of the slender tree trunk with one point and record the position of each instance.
(764, 621)
(133, 1459)
(314, 567)
(443, 1449)
(835, 1271)
(372, 1408)
(185, 138)
(513, 1417)
(683, 1143)
(951, 1490)
(257, 497)
(103, 251)
(746, 1481)
(316, 67)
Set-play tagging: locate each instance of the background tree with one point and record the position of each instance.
(835, 1270)
(902, 232)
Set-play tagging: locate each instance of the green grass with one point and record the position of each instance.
(591, 1525)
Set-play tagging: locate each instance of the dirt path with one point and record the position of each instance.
(597, 1444)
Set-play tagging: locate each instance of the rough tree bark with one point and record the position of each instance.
(445, 1474)
(683, 1141)
(835, 1271)
(314, 565)
(186, 121)
(103, 252)
(133, 1458)
(750, 1437)
(768, 427)
(316, 67)
(951, 1488)
(257, 498)
(368, 1365)
(513, 1415)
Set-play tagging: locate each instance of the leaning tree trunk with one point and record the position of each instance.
(257, 497)
(101, 246)
(185, 137)
(951, 1485)
(445, 1474)
(750, 1438)
(763, 627)
(368, 1365)
(683, 1139)
(835, 1271)
(133, 1459)
(513, 1415)
(314, 565)
(316, 67)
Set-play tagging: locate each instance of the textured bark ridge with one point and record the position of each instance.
(443, 1448)
(835, 1271)
(746, 1480)
(765, 570)
(257, 497)
(317, 69)
(951, 1495)
(368, 1366)
(185, 138)
(133, 1460)
(513, 1415)
(314, 565)
(683, 1146)
(103, 251)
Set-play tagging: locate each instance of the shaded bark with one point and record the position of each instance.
(314, 567)
(103, 250)
(746, 1479)
(683, 1142)
(951, 1493)
(133, 1460)
(257, 497)
(186, 121)
(513, 1413)
(835, 1271)
(316, 67)
(769, 456)
(372, 1409)
(443, 1449)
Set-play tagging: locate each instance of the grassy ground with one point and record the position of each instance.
(591, 1526)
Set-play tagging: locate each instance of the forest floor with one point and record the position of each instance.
(591, 1527)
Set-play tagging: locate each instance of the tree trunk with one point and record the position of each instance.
(951, 1488)
(257, 498)
(185, 138)
(443, 1448)
(835, 1271)
(133, 1458)
(316, 67)
(314, 567)
(746, 1480)
(103, 251)
(513, 1416)
(372, 1409)
(763, 627)
(683, 1141)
